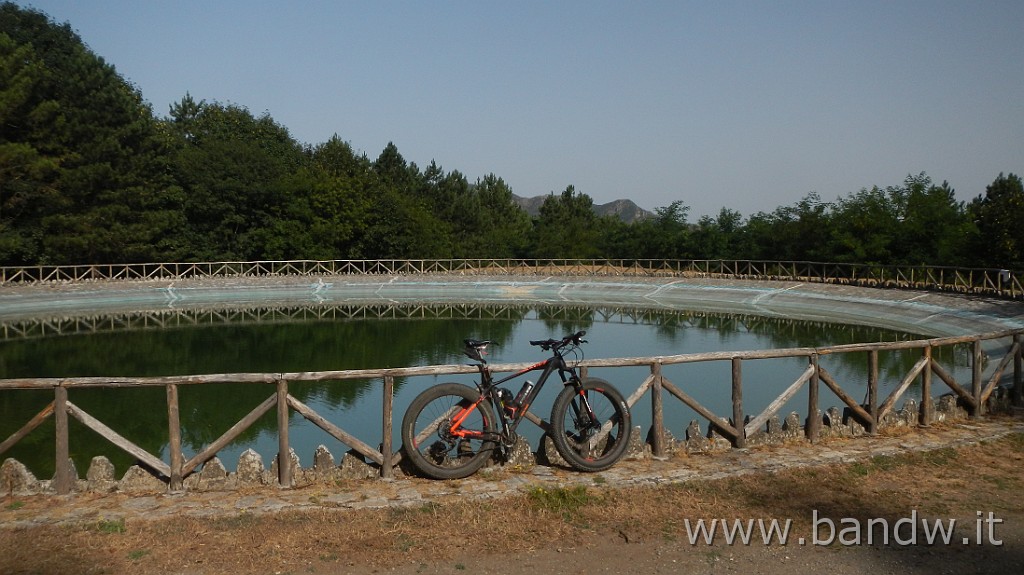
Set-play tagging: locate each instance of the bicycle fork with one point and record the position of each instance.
(583, 414)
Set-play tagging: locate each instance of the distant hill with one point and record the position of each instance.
(625, 210)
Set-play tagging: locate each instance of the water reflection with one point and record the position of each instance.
(342, 337)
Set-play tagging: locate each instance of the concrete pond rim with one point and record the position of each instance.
(929, 313)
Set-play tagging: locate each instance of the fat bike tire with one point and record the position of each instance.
(427, 437)
(585, 444)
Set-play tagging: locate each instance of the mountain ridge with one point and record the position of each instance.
(624, 209)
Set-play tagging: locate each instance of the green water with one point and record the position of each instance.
(342, 338)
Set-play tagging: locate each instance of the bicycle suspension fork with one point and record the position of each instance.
(582, 412)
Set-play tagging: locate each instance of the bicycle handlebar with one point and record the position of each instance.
(556, 344)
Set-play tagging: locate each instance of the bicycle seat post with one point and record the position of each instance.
(485, 374)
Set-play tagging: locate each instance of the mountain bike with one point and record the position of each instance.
(451, 430)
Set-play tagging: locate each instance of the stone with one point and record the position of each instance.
(1001, 399)
(853, 426)
(909, 414)
(549, 455)
(856, 428)
(949, 407)
(250, 468)
(100, 476)
(834, 418)
(354, 466)
(76, 481)
(520, 456)
(100, 469)
(695, 441)
(191, 482)
(138, 480)
(717, 440)
(636, 444)
(668, 441)
(323, 464)
(16, 479)
(791, 428)
(293, 462)
(213, 475)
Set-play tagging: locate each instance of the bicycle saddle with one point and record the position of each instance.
(476, 349)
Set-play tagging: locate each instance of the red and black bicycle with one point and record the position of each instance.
(451, 430)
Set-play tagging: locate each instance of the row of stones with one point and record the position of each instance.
(15, 478)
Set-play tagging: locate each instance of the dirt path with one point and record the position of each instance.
(618, 557)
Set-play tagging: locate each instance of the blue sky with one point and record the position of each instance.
(747, 105)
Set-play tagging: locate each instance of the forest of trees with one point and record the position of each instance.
(90, 174)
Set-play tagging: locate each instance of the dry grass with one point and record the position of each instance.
(942, 483)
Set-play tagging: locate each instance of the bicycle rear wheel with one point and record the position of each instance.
(591, 443)
(446, 433)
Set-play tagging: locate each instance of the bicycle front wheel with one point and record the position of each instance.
(591, 439)
(447, 433)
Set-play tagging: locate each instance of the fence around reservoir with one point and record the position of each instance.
(973, 396)
(990, 282)
(1000, 385)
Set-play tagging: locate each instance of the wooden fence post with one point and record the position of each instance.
(386, 450)
(873, 391)
(62, 480)
(174, 437)
(927, 407)
(657, 413)
(1018, 386)
(976, 387)
(284, 459)
(813, 427)
(737, 403)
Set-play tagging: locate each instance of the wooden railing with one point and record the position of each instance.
(985, 281)
(736, 426)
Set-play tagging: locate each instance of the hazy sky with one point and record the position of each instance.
(748, 105)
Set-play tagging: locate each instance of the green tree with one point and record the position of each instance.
(759, 234)
(83, 159)
(719, 237)
(402, 223)
(399, 227)
(340, 199)
(394, 172)
(797, 232)
(28, 172)
(999, 216)
(667, 235)
(506, 227)
(440, 191)
(866, 224)
(620, 240)
(567, 226)
(244, 197)
(478, 220)
(934, 227)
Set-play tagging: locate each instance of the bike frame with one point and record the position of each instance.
(488, 385)
(449, 431)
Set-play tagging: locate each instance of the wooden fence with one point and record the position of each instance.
(983, 281)
(736, 426)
